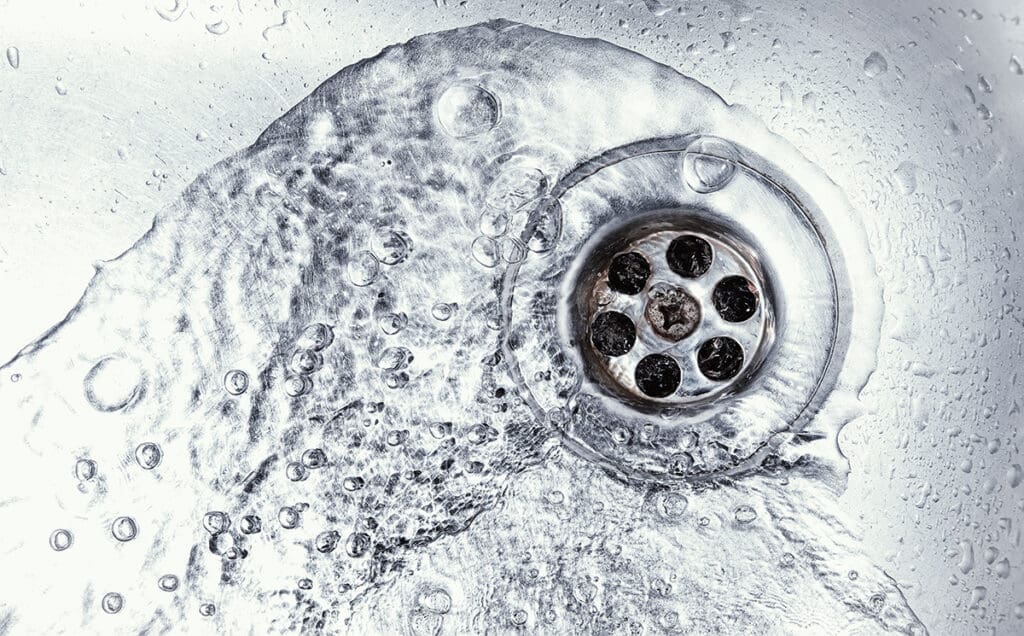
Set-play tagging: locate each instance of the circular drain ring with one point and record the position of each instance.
(838, 337)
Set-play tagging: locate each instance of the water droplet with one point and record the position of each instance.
(148, 455)
(394, 358)
(124, 529)
(465, 109)
(1016, 66)
(363, 268)
(671, 505)
(745, 514)
(875, 64)
(512, 251)
(709, 164)
(517, 185)
(174, 12)
(352, 484)
(112, 602)
(327, 541)
(493, 223)
(168, 583)
(236, 382)
(60, 88)
(220, 27)
(61, 540)
(112, 383)
(207, 609)
(906, 177)
(13, 56)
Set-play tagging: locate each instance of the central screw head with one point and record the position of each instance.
(672, 313)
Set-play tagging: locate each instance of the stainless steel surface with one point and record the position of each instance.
(110, 109)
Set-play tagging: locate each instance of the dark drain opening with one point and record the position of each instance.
(628, 273)
(658, 375)
(689, 256)
(613, 333)
(735, 298)
(720, 358)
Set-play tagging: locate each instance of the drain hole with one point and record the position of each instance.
(689, 256)
(672, 312)
(657, 375)
(613, 333)
(720, 358)
(628, 273)
(735, 298)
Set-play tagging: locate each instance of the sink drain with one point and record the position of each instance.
(679, 315)
(688, 311)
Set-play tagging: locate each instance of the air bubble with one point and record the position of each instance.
(296, 472)
(250, 524)
(124, 529)
(657, 375)
(316, 336)
(297, 385)
(363, 268)
(288, 517)
(207, 609)
(357, 545)
(236, 382)
(493, 223)
(443, 311)
(216, 521)
(465, 110)
(148, 455)
(112, 383)
(390, 247)
(352, 484)
(545, 226)
(720, 358)
(85, 469)
(394, 358)
(744, 514)
(393, 323)
(327, 541)
(709, 164)
(61, 540)
(314, 458)
(167, 583)
(435, 600)
(306, 361)
(485, 251)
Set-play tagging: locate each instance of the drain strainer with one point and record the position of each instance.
(691, 314)
(679, 315)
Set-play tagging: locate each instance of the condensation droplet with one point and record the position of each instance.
(709, 164)
(465, 110)
(13, 56)
(906, 177)
(174, 12)
(875, 64)
(220, 27)
(1016, 66)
